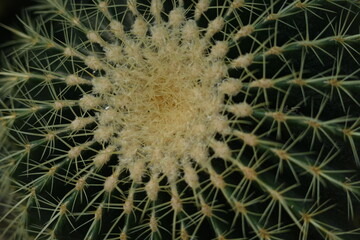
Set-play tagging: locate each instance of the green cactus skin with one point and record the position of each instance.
(182, 120)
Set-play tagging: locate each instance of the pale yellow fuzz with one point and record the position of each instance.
(230, 87)
(220, 124)
(117, 29)
(69, 52)
(75, 152)
(79, 123)
(249, 173)
(262, 83)
(220, 49)
(76, 21)
(240, 208)
(159, 34)
(206, 210)
(52, 170)
(170, 168)
(244, 32)
(103, 6)
(94, 37)
(184, 235)
(103, 133)
(248, 138)
(156, 7)
(153, 224)
(190, 31)
(160, 99)
(103, 156)
(176, 17)
(241, 109)
(243, 61)
(140, 27)
(191, 177)
(111, 182)
(98, 213)
(282, 154)
(278, 116)
(114, 54)
(221, 149)
(58, 105)
(63, 208)
(215, 72)
(137, 170)
(238, 3)
(94, 63)
(73, 80)
(199, 129)
(152, 188)
(175, 201)
(199, 153)
(123, 236)
(274, 51)
(101, 85)
(217, 180)
(108, 116)
(50, 136)
(129, 204)
(89, 102)
(132, 49)
(214, 26)
(201, 7)
(80, 184)
(176, 204)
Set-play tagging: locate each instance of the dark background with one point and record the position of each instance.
(9, 10)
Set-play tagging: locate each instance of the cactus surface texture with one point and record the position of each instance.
(174, 119)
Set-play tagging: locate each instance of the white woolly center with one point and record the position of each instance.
(159, 101)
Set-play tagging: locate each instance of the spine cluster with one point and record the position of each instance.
(182, 120)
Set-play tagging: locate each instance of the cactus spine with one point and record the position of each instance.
(182, 120)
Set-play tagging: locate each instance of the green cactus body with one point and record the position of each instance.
(182, 120)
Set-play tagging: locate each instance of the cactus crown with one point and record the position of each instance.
(182, 120)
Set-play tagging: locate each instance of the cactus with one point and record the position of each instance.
(161, 119)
